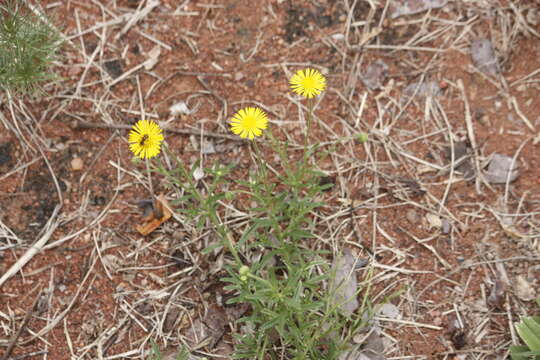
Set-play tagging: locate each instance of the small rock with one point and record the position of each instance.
(198, 174)
(238, 76)
(76, 164)
(114, 68)
(412, 216)
(501, 169)
(434, 221)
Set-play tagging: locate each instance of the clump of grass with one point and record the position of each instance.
(28, 46)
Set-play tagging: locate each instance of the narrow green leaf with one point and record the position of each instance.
(526, 330)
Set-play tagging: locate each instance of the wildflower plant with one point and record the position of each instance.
(28, 46)
(292, 310)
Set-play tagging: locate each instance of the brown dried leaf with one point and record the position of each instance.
(152, 222)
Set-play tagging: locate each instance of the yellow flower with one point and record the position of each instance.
(249, 122)
(145, 139)
(308, 83)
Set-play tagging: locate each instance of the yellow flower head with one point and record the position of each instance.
(249, 122)
(308, 83)
(145, 139)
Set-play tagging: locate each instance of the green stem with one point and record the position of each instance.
(306, 137)
(223, 233)
(260, 164)
(157, 213)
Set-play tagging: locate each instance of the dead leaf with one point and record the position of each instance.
(375, 75)
(484, 57)
(456, 333)
(111, 262)
(207, 147)
(208, 331)
(389, 311)
(496, 296)
(446, 226)
(501, 169)
(422, 89)
(523, 289)
(180, 108)
(462, 159)
(344, 284)
(154, 220)
(368, 348)
(409, 7)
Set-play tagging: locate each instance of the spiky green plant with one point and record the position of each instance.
(28, 46)
(529, 330)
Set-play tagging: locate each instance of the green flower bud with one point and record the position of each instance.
(243, 272)
(362, 137)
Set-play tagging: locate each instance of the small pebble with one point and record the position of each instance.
(76, 164)
(445, 226)
(238, 76)
(412, 216)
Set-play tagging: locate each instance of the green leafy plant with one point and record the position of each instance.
(28, 46)
(528, 329)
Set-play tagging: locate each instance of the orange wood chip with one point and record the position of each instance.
(151, 222)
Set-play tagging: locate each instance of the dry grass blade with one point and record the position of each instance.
(37, 247)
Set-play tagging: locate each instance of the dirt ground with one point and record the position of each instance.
(461, 251)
